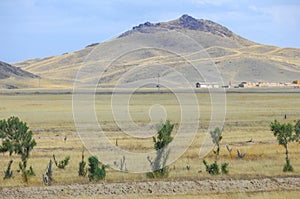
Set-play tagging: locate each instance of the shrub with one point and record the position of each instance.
(30, 171)
(95, 172)
(8, 172)
(297, 131)
(82, 170)
(63, 163)
(213, 169)
(224, 168)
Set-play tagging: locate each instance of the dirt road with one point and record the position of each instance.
(204, 186)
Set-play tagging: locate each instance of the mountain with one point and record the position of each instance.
(13, 77)
(206, 32)
(179, 45)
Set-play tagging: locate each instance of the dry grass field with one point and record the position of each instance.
(248, 117)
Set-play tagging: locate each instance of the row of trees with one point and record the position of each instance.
(284, 133)
(17, 139)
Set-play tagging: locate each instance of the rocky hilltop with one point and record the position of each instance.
(185, 22)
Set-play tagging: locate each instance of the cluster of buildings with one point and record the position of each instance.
(294, 84)
(207, 85)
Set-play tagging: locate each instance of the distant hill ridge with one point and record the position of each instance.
(237, 58)
(7, 70)
(12, 77)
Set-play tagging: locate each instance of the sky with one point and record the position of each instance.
(41, 28)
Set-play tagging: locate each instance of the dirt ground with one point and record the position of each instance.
(155, 188)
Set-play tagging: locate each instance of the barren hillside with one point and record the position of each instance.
(13, 77)
(237, 58)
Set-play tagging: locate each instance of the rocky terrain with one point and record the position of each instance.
(185, 22)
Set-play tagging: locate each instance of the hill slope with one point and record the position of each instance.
(13, 77)
(237, 58)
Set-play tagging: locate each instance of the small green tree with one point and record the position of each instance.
(216, 137)
(213, 169)
(17, 138)
(95, 172)
(161, 142)
(285, 134)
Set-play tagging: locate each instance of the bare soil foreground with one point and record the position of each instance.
(157, 188)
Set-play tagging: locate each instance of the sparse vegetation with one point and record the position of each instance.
(8, 173)
(63, 163)
(161, 142)
(297, 131)
(239, 155)
(47, 176)
(242, 123)
(17, 138)
(213, 169)
(285, 134)
(30, 171)
(123, 164)
(224, 168)
(82, 170)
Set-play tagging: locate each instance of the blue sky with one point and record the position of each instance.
(40, 28)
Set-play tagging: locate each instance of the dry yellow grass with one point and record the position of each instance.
(248, 116)
(253, 62)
